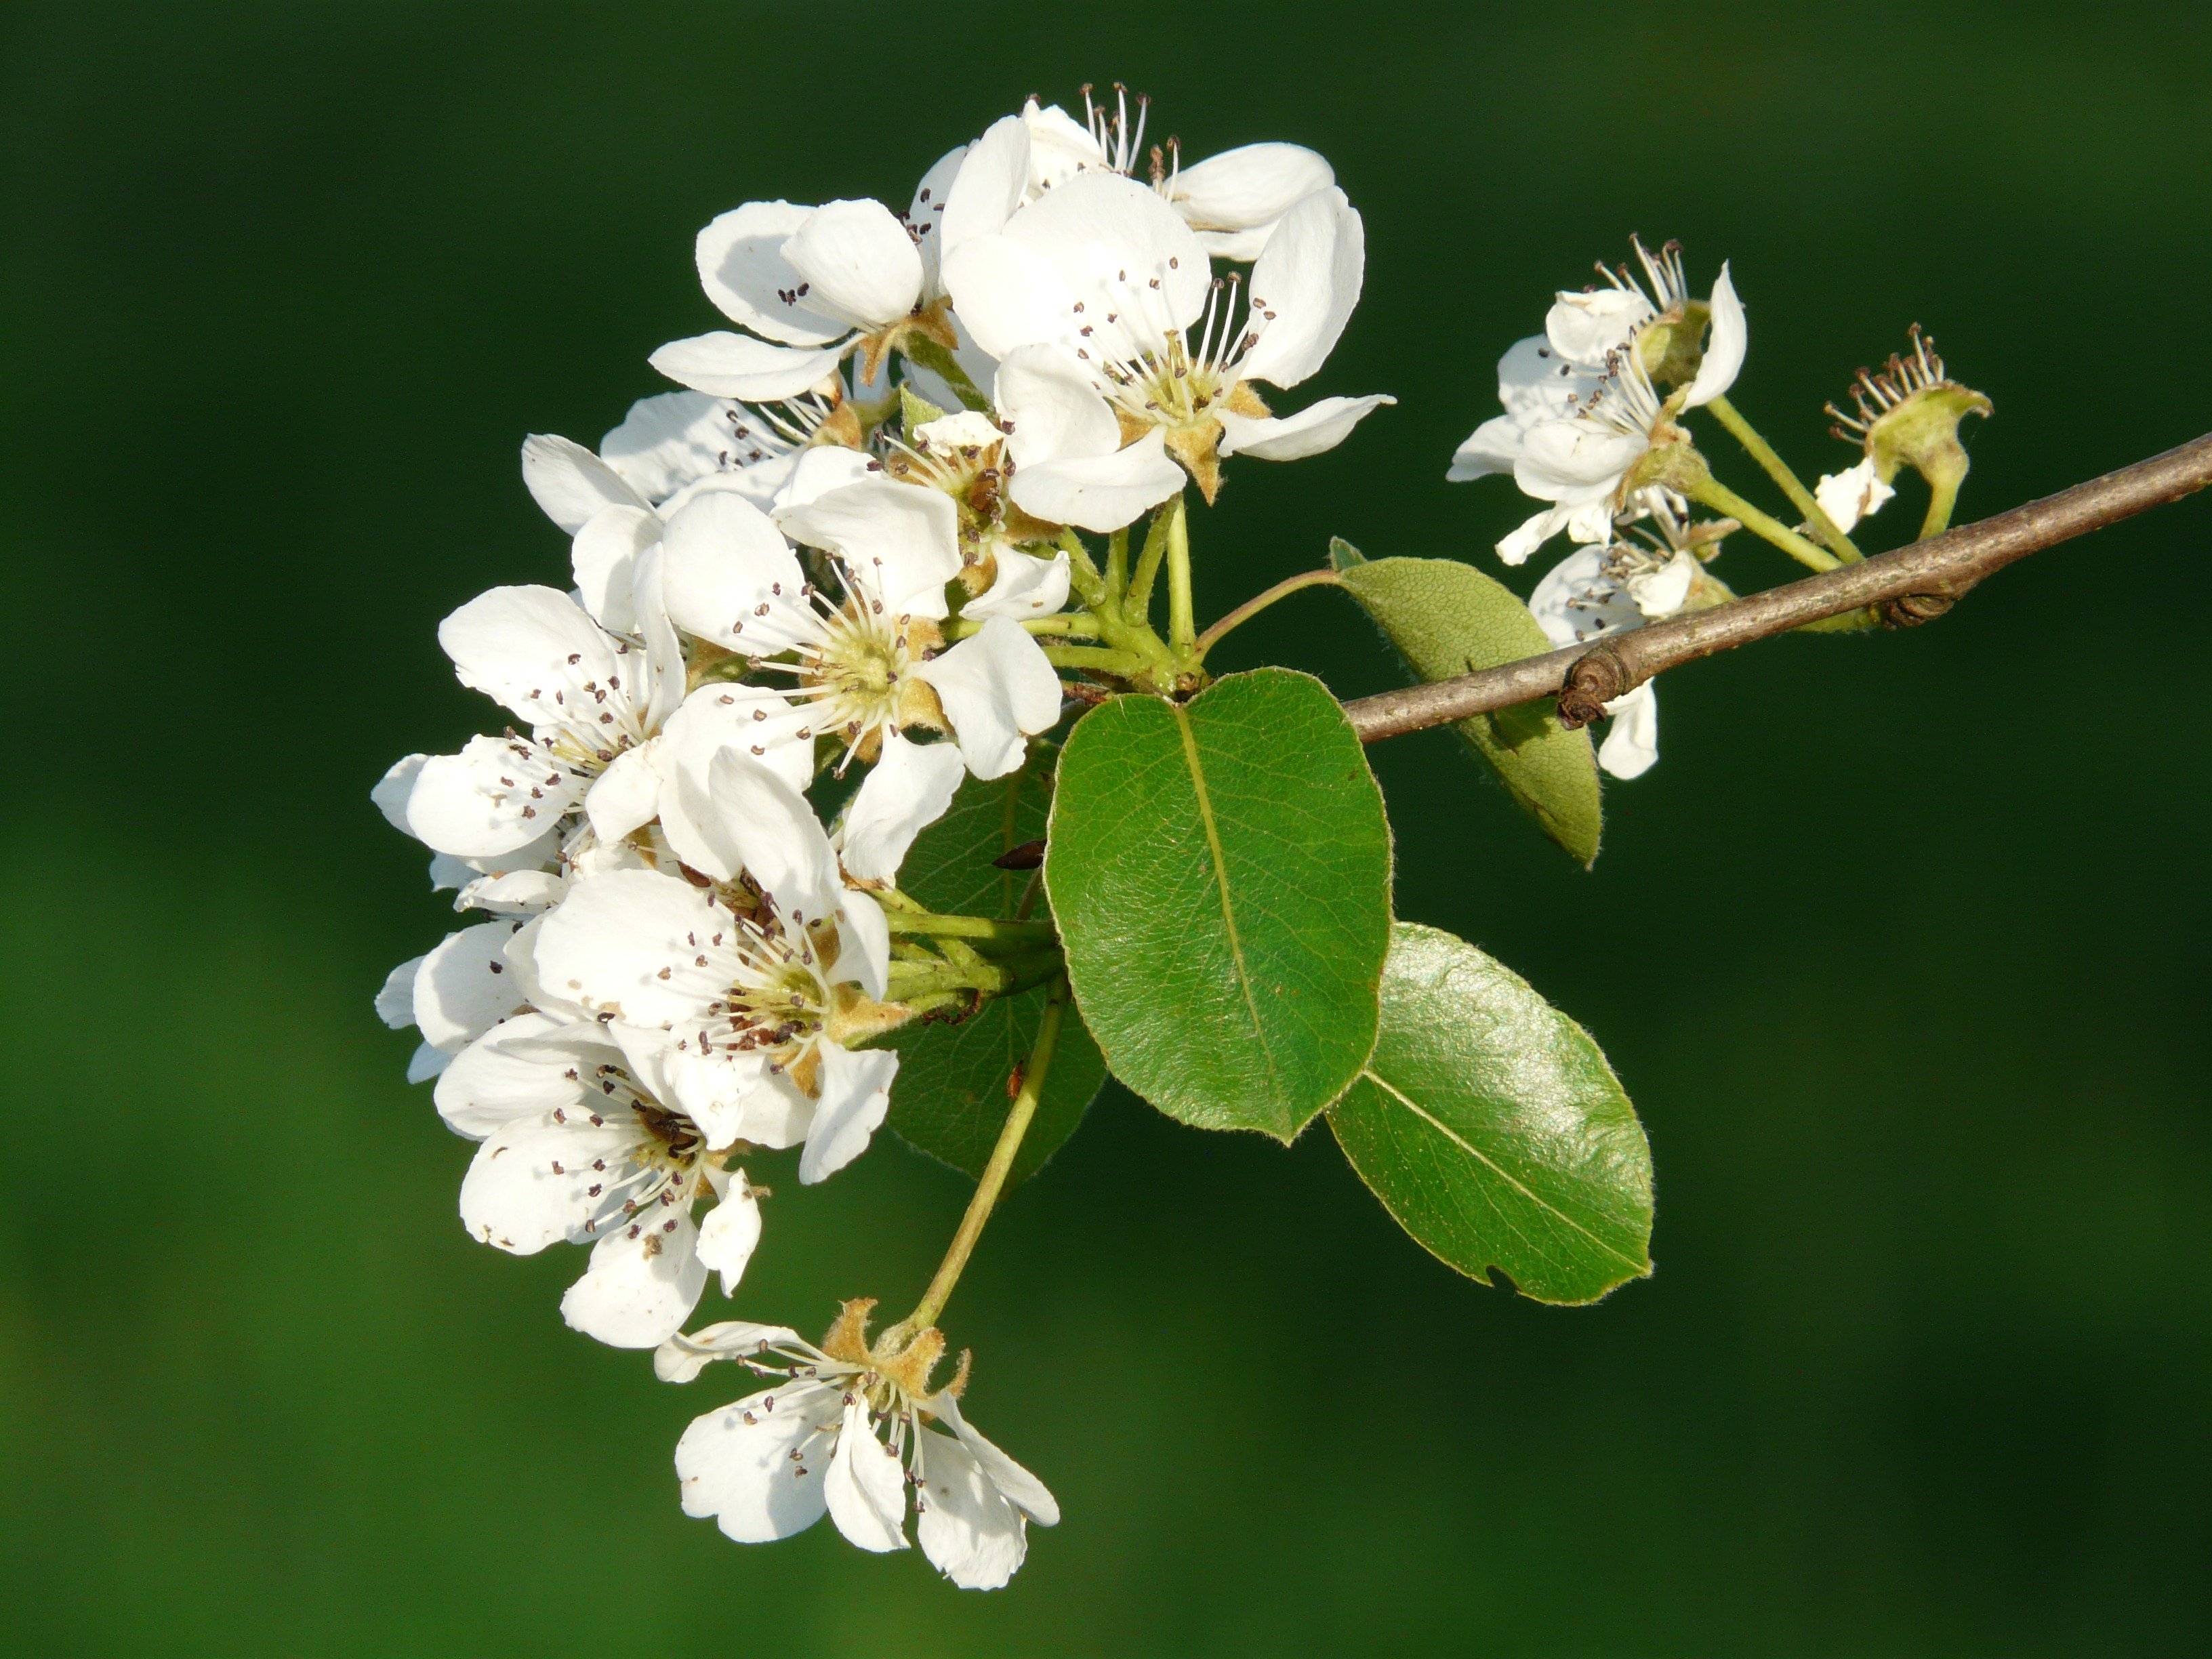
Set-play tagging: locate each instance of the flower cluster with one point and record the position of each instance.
(834, 552)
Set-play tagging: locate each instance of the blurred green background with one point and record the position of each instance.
(1897, 950)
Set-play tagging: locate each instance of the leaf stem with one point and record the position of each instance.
(995, 1172)
(925, 922)
(1259, 602)
(1714, 494)
(1182, 622)
(1137, 604)
(1778, 470)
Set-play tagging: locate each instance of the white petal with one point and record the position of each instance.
(426, 1063)
(530, 1184)
(856, 263)
(729, 576)
(1493, 447)
(643, 1282)
(464, 988)
(729, 365)
(531, 1067)
(969, 1529)
(607, 944)
(1112, 240)
(1102, 493)
(863, 943)
(1059, 147)
(395, 1001)
(1248, 187)
(1724, 348)
(994, 174)
(776, 836)
(1025, 586)
(730, 1234)
(926, 213)
(855, 1095)
(865, 1487)
(733, 1096)
(1582, 329)
(1052, 409)
(512, 893)
(1027, 1491)
(604, 556)
(626, 796)
(1631, 745)
(753, 721)
(1532, 534)
(819, 470)
(681, 1358)
(1308, 275)
(956, 431)
(533, 648)
(736, 1464)
(743, 268)
(1855, 493)
(1006, 293)
(1660, 592)
(1576, 600)
(497, 796)
(906, 792)
(672, 439)
(571, 483)
(998, 689)
(1322, 426)
(393, 788)
(1572, 461)
(903, 541)
(1535, 383)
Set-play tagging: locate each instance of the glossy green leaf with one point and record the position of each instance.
(951, 1096)
(1220, 871)
(1490, 1125)
(1447, 618)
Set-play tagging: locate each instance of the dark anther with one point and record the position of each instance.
(1597, 677)
(1027, 856)
(1911, 610)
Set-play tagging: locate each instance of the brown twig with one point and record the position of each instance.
(1912, 584)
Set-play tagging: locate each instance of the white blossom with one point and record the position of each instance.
(1118, 350)
(811, 285)
(1611, 588)
(731, 997)
(1581, 408)
(578, 1146)
(848, 1431)
(865, 664)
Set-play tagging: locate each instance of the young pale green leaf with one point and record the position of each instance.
(1447, 618)
(953, 1094)
(1490, 1125)
(1220, 871)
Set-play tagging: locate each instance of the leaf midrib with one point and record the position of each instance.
(1221, 880)
(1491, 1164)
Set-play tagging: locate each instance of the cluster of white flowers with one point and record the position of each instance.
(1584, 412)
(677, 962)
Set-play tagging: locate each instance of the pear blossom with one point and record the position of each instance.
(454, 993)
(1610, 588)
(1583, 408)
(577, 1146)
(812, 286)
(846, 1430)
(1232, 201)
(667, 449)
(737, 998)
(963, 456)
(867, 665)
(1123, 364)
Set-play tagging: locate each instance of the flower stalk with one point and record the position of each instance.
(1779, 469)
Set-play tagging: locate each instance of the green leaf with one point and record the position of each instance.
(1490, 1125)
(952, 1091)
(1447, 618)
(951, 1096)
(1220, 871)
